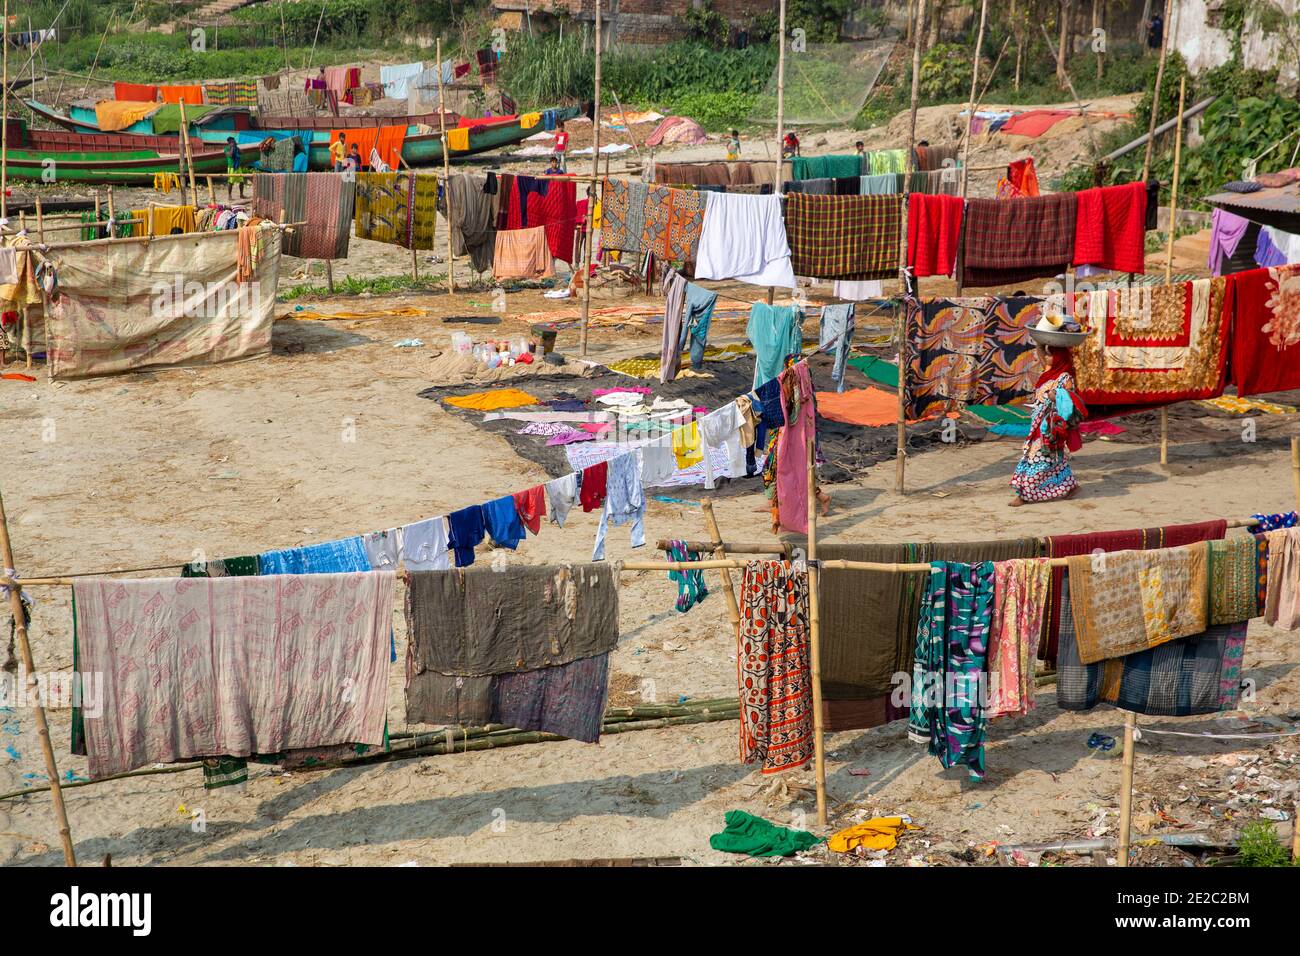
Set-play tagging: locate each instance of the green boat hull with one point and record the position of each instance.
(132, 167)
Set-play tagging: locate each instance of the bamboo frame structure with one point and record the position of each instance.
(816, 566)
(446, 173)
(505, 738)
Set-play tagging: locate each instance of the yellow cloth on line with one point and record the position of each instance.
(529, 120)
(1238, 405)
(164, 220)
(458, 139)
(878, 833)
(492, 401)
(166, 182)
(113, 115)
(307, 314)
(686, 445)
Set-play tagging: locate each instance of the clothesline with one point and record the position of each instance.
(70, 579)
(718, 564)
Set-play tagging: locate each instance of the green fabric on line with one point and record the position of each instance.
(1001, 414)
(877, 369)
(746, 833)
(840, 166)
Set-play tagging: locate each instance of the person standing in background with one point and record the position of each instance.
(1155, 32)
(733, 146)
(338, 154)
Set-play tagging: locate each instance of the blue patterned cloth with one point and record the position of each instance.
(331, 557)
(948, 670)
(1273, 522)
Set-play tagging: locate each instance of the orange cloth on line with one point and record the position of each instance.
(491, 401)
(135, 92)
(386, 140)
(113, 115)
(458, 139)
(192, 95)
(859, 406)
(522, 254)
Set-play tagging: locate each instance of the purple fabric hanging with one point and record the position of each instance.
(1226, 231)
(1267, 254)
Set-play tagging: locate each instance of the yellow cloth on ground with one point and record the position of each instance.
(113, 115)
(649, 367)
(458, 139)
(308, 314)
(529, 120)
(686, 445)
(878, 833)
(1237, 405)
(492, 401)
(164, 220)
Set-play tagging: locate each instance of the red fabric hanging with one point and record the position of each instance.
(933, 230)
(1110, 229)
(1266, 329)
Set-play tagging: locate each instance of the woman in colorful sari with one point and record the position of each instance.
(1043, 472)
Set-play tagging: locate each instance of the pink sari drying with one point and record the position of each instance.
(1020, 593)
(203, 667)
(792, 448)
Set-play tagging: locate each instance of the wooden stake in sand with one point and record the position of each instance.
(32, 691)
(1169, 253)
(446, 173)
(1126, 790)
(814, 639)
(900, 328)
(591, 195)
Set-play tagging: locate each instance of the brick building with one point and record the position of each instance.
(626, 21)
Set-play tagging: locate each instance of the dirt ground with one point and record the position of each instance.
(327, 438)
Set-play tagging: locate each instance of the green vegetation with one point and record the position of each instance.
(375, 285)
(716, 88)
(1260, 846)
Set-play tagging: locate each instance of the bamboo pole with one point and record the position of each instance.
(900, 325)
(720, 551)
(814, 627)
(1155, 99)
(189, 158)
(329, 276)
(32, 689)
(112, 226)
(780, 107)
(1173, 232)
(446, 172)
(591, 195)
(970, 110)
(212, 195)
(1126, 790)
(4, 116)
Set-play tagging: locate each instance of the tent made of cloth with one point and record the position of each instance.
(173, 301)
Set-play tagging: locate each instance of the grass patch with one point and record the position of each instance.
(375, 285)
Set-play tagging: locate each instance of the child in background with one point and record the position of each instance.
(733, 147)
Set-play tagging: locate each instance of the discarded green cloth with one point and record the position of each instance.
(1002, 414)
(877, 369)
(746, 833)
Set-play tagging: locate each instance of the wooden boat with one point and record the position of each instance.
(55, 156)
(418, 149)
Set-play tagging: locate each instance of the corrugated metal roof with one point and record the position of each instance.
(1278, 207)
